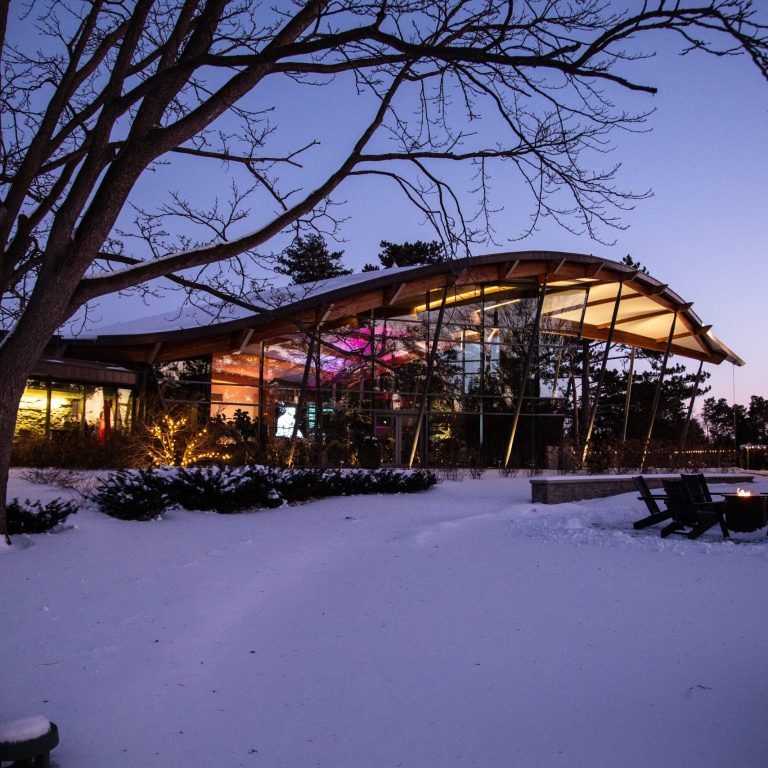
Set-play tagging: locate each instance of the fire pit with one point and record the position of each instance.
(745, 512)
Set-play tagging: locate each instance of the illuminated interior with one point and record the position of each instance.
(448, 363)
(372, 372)
(50, 408)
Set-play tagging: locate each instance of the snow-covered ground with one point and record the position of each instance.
(463, 626)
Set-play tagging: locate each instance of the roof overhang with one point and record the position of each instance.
(581, 295)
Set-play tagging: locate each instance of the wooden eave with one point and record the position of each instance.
(391, 293)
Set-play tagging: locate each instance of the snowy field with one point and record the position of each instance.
(463, 626)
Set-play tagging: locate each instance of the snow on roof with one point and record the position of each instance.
(272, 298)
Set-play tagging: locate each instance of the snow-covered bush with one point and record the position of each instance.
(134, 494)
(225, 489)
(143, 494)
(33, 517)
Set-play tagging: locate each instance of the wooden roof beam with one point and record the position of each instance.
(563, 310)
(153, 352)
(634, 318)
(683, 335)
(245, 337)
(511, 270)
(612, 300)
(560, 265)
(596, 269)
(394, 294)
(633, 340)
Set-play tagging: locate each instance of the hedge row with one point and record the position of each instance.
(144, 494)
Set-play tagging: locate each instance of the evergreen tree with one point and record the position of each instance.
(718, 419)
(676, 390)
(308, 260)
(630, 262)
(409, 254)
(728, 424)
(757, 416)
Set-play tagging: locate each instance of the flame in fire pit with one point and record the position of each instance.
(740, 492)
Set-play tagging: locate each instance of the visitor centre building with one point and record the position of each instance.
(486, 360)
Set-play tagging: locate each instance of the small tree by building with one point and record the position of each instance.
(308, 260)
(409, 254)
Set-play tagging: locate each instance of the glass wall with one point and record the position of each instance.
(49, 408)
(369, 376)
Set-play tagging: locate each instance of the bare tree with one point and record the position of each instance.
(97, 96)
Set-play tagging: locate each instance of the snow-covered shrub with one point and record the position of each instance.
(33, 517)
(143, 494)
(401, 480)
(225, 489)
(134, 494)
(302, 484)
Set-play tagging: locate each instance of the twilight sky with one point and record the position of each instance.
(704, 231)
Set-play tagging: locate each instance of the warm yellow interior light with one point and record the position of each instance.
(498, 304)
(474, 294)
(31, 401)
(38, 402)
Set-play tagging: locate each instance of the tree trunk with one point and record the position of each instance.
(12, 383)
(19, 351)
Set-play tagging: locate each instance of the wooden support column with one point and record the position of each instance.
(690, 407)
(373, 375)
(483, 358)
(428, 380)
(585, 390)
(600, 378)
(584, 311)
(526, 371)
(262, 425)
(575, 396)
(318, 399)
(628, 397)
(581, 419)
(302, 400)
(556, 372)
(657, 395)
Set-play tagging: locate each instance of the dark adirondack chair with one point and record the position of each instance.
(698, 488)
(691, 514)
(657, 515)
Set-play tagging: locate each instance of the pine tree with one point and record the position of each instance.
(308, 260)
(409, 254)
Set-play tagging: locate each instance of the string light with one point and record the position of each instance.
(175, 447)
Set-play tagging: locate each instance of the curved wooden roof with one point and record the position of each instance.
(581, 292)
